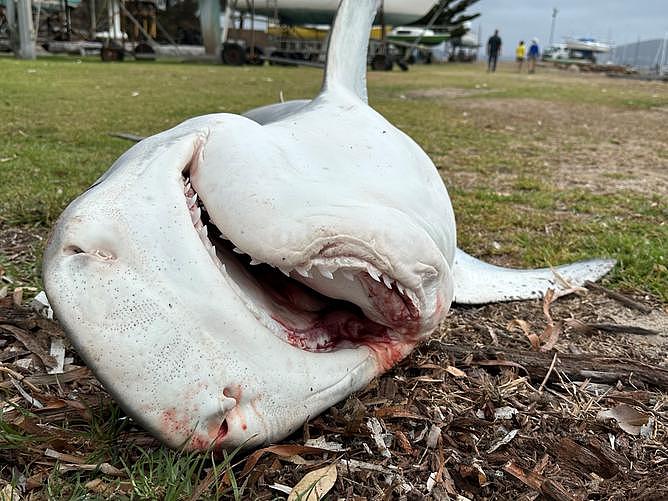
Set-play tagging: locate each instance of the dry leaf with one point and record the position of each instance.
(550, 336)
(9, 493)
(279, 450)
(454, 371)
(506, 439)
(524, 326)
(17, 296)
(629, 419)
(314, 485)
(378, 435)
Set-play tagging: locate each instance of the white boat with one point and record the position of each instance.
(587, 45)
(322, 11)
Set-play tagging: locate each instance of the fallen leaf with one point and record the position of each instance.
(454, 371)
(9, 493)
(505, 440)
(378, 436)
(322, 443)
(314, 485)
(550, 336)
(504, 412)
(434, 435)
(524, 326)
(279, 450)
(629, 419)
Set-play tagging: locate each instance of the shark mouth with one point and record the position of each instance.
(330, 302)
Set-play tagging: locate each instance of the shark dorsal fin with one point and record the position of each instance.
(348, 47)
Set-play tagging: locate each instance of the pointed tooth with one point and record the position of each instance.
(236, 250)
(388, 281)
(284, 271)
(203, 230)
(195, 214)
(326, 273)
(192, 200)
(373, 272)
(401, 288)
(348, 274)
(255, 262)
(302, 271)
(186, 187)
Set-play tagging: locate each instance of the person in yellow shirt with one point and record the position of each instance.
(520, 52)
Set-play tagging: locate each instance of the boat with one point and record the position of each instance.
(587, 45)
(412, 34)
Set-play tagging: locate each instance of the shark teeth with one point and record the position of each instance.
(237, 250)
(254, 262)
(348, 275)
(303, 271)
(373, 272)
(387, 281)
(325, 272)
(195, 214)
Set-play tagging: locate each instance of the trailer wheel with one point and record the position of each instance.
(145, 52)
(234, 55)
(254, 57)
(381, 62)
(112, 53)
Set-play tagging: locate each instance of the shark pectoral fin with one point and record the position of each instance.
(477, 282)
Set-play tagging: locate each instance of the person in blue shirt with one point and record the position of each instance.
(532, 56)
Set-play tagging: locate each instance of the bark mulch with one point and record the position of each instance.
(555, 399)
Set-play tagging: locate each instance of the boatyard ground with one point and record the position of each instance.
(542, 169)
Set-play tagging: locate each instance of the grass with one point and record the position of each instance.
(501, 168)
(58, 113)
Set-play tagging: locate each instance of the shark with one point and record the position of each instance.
(234, 276)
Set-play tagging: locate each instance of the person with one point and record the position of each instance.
(534, 52)
(519, 55)
(493, 51)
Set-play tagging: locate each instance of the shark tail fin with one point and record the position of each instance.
(477, 282)
(348, 47)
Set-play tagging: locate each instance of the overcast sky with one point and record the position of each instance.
(622, 20)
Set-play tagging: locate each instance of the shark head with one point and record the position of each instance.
(231, 277)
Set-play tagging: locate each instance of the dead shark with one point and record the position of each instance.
(234, 276)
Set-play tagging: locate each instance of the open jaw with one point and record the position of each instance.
(331, 301)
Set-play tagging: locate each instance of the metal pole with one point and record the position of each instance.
(209, 18)
(554, 20)
(252, 47)
(11, 25)
(93, 19)
(26, 48)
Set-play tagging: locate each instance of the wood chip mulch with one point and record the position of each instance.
(513, 401)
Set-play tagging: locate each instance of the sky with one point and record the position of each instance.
(621, 20)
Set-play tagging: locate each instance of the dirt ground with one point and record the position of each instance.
(623, 143)
(562, 400)
(599, 148)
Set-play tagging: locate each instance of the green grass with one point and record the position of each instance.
(57, 114)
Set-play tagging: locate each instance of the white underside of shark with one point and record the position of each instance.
(232, 277)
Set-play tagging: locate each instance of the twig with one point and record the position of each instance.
(547, 376)
(618, 297)
(586, 328)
